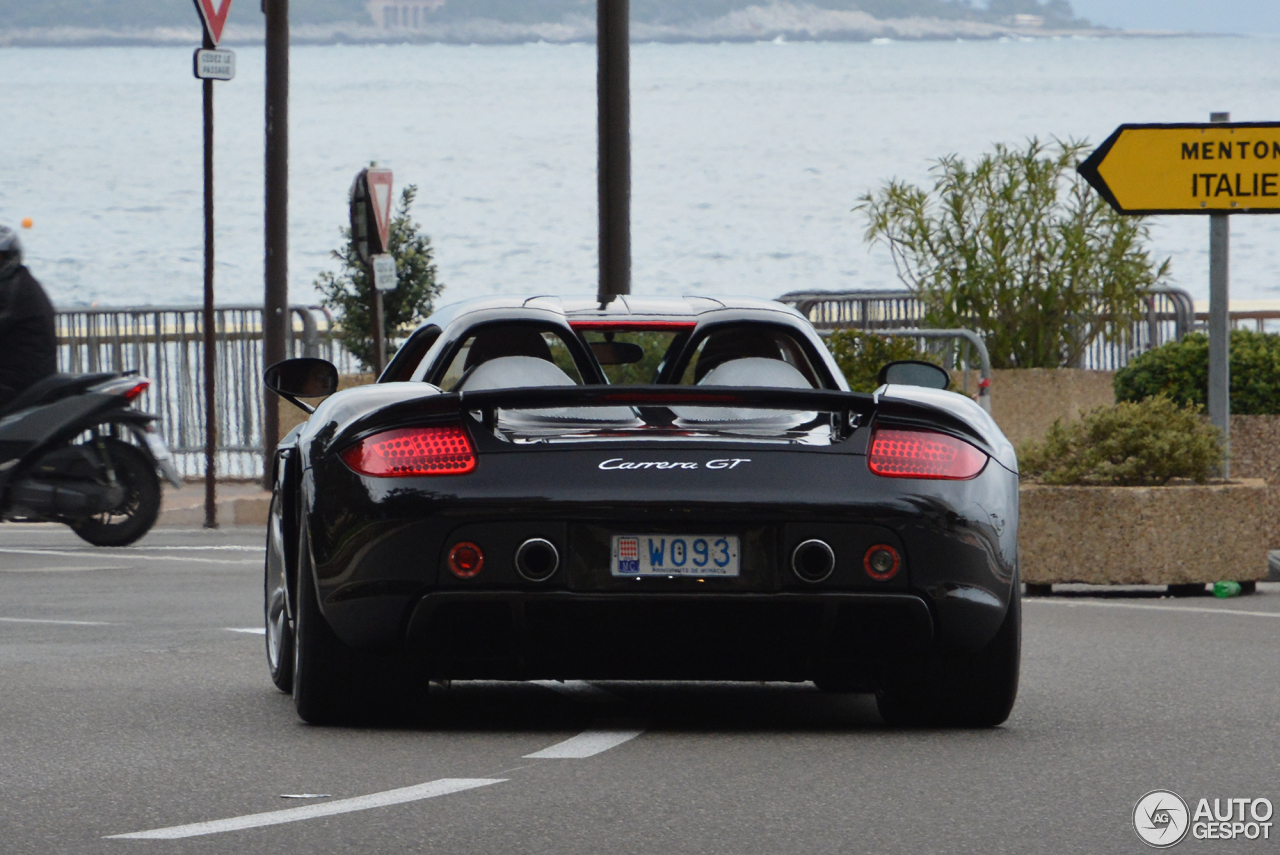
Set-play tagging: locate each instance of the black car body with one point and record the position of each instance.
(476, 515)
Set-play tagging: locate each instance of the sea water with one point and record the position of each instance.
(748, 158)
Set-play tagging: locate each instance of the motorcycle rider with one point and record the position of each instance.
(28, 341)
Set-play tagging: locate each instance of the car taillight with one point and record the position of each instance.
(409, 452)
(923, 454)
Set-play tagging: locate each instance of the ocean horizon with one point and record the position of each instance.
(748, 158)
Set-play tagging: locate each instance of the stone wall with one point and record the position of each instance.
(1144, 535)
(1255, 453)
(1025, 402)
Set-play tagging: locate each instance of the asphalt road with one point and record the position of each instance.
(134, 698)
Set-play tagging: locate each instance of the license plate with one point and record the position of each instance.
(675, 555)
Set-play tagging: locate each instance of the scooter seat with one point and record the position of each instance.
(53, 388)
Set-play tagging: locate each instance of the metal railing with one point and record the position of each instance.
(1168, 314)
(165, 343)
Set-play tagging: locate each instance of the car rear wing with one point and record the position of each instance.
(850, 410)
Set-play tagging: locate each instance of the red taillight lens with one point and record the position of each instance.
(409, 452)
(137, 390)
(923, 454)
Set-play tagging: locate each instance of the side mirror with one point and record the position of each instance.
(617, 352)
(913, 372)
(302, 378)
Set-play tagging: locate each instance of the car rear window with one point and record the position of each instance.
(654, 343)
(503, 341)
(722, 346)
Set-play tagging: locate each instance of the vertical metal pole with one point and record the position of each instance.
(1220, 324)
(379, 340)
(210, 337)
(613, 90)
(276, 303)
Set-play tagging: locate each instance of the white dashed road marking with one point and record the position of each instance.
(56, 622)
(248, 630)
(83, 568)
(588, 744)
(430, 790)
(1195, 609)
(170, 558)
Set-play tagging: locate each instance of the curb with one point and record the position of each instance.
(251, 511)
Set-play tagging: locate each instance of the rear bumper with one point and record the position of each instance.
(566, 635)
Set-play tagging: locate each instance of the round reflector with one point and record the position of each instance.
(466, 560)
(881, 562)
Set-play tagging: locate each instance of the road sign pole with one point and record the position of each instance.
(379, 342)
(276, 286)
(210, 340)
(613, 90)
(1220, 324)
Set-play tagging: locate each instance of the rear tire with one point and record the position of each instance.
(133, 517)
(335, 685)
(279, 634)
(977, 690)
(323, 667)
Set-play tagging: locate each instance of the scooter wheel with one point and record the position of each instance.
(133, 517)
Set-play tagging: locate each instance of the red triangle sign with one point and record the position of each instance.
(214, 19)
(380, 199)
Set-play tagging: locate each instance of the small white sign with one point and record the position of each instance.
(384, 272)
(215, 64)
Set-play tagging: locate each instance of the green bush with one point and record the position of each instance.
(1018, 247)
(861, 355)
(1127, 444)
(1179, 370)
(349, 293)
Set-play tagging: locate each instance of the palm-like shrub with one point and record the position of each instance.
(1018, 247)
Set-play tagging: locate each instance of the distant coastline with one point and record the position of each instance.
(779, 22)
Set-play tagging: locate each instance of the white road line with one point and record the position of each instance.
(250, 630)
(576, 689)
(170, 558)
(81, 569)
(223, 548)
(1197, 609)
(56, 622)
(126, 550)
(430, 790)
(588, 744)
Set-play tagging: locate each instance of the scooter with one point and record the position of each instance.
(73, 450)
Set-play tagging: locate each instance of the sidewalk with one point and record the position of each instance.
(238, 504)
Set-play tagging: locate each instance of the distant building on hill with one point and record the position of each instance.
(402, 14)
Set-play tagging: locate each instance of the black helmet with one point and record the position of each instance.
(10, 251)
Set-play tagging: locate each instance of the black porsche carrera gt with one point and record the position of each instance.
(648, 489)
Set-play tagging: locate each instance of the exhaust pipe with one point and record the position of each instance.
(71, 498)
(813, 560)
(537, 559)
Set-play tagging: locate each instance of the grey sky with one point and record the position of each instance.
(1247, 17)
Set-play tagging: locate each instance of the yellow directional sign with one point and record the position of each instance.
(1189, 169)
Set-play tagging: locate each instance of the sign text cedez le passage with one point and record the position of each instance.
(1245, 184)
